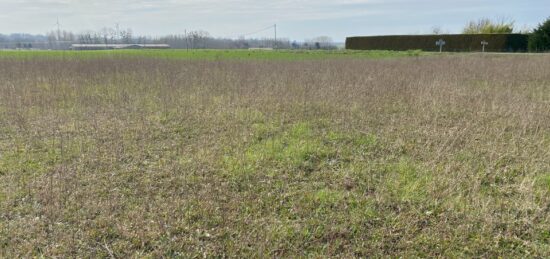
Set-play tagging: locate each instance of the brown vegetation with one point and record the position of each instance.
(427, 156)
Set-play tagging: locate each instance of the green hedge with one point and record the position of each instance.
(454, 42)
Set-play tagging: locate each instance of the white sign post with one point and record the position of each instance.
(483, 44)
(440, 43)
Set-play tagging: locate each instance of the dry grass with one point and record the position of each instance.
(132, 157)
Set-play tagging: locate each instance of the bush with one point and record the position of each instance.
(539, 41)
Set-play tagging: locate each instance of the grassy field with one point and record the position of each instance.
(133, 156)
(210, 54)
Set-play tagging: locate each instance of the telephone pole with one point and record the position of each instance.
(117, 28)
(275, 28)
(58, 29)
(186, 41)
(58, 36)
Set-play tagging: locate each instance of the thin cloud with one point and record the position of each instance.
(297, 18)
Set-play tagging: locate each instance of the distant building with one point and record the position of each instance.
(268, 49)
(118, 46)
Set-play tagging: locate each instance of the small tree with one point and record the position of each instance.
(539, 40)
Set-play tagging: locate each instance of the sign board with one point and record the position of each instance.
(440, 43)
(483, 44)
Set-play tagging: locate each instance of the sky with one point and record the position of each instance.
(295, 19)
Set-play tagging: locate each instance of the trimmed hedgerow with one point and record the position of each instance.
(454, 42)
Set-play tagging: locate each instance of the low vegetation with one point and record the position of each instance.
(210, 54)
(430, 156)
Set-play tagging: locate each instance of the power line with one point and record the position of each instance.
(274, 27)
(254, 32)
(258, 31)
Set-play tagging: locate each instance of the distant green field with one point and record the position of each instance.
(211, 54)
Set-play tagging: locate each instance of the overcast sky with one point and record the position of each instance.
(296, 19)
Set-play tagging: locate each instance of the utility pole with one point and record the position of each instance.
(275, 44)
(58, 29)
(186, 41)
(117, 28)
(58, 38)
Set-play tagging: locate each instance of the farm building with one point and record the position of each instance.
(118, 46)
(453, 42)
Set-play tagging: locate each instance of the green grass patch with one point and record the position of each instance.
(543, 182)
(297, 148)
(328, 198)
(210, 54)
(43, 155)
(407, 181)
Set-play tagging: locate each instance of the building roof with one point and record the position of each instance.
(118, 46)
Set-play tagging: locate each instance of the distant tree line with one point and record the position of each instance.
(190, 40)
(21, 40)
